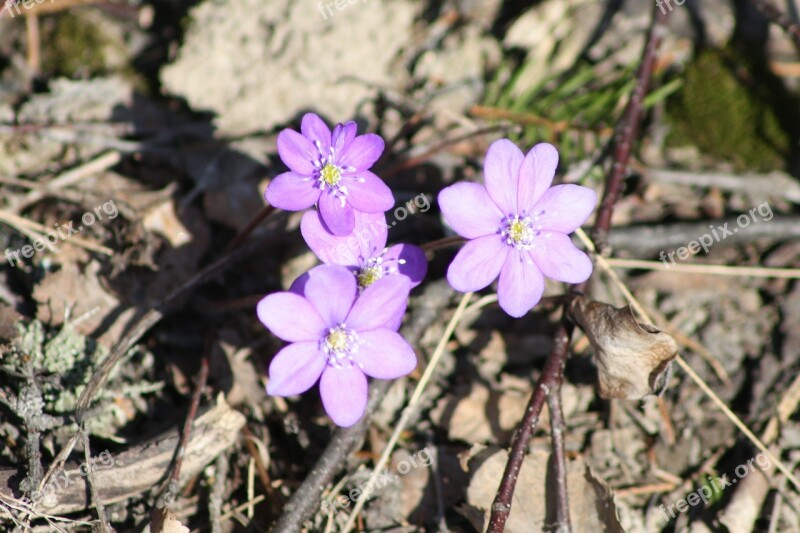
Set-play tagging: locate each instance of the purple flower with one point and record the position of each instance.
(518, 226)
(339, 337)
(330, 170)
(365, 252)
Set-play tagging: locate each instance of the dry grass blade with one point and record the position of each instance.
(712, 270)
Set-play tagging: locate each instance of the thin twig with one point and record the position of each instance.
(90, 479)
(558, 457)
(159, 514)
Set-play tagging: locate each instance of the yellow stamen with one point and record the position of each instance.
(336, 340)
(368, 276)
(330, 174)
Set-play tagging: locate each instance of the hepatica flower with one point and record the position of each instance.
(339, 337)
(364, 252)
(330, 170)
(518, 226)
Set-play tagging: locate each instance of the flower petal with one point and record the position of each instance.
(331, 289)
(501, 174)
(338, 218)
(411, 262)
(343, 134)
(295, 369)
(298, 286)
(379, 304)
(362, 152)
(344, 394)
(330, 249)
(384, 354)
(290, 317)
(368, 193)
(521, 284)
(477, 264)
(559, 259)
(297, 152)
(371, 233)
(565, 207)
(291, 191)
(536, 175)
(469, 210)
(314, 128)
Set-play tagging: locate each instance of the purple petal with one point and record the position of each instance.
(521, 284)
(536, 175)
(297, 152)
(315, 129)
(411, 262)
(328, 247)
(290, 317)
(565, 207)
(338, 219)
(295, 369)
(343, 134)
(477, 264)
(371, 233)
(331, 289)
(559, 259)
(501, 173)
(380, 304)
(362, 152)
(469, 210)
(344, 394)
(384, 354)
(298, 286)
(369, 193)
(292, 192)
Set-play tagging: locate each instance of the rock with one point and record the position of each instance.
(247, 66)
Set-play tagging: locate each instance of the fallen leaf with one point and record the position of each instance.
(633, 359)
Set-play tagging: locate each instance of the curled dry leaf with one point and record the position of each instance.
(633, 359)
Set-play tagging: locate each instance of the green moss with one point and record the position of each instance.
(69, 360)
(729, 114)
(74, 48)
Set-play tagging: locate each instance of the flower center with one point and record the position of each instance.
(330, 174)
(340, 345)
(375, 268)
(368, 275)
(520, 232)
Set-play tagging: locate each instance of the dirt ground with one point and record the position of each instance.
(137, 139)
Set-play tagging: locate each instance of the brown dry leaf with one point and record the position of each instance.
(591, 502)
(633, 359)
(81, 290)
(480, 415)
